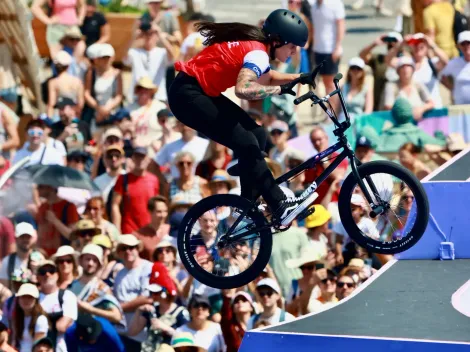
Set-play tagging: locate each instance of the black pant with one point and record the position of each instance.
(226, 123)
(130, 344)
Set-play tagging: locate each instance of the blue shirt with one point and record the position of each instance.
(108, 341)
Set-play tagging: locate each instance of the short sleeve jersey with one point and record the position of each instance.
(216, 68)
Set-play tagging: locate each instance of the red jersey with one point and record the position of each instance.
(216, 68)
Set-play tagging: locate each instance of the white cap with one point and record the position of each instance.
(155, 288)
(358, 200)
(63, 58)
(24, 228)
(405, 61)
(28, 290)
(357, 62)
(93, 50)
(105, 50)
(63, 251)
(463, 37)
(95, 250)
(270, 283)
(395, 35)
(128, 240)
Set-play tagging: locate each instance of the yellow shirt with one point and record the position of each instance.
(439, 17)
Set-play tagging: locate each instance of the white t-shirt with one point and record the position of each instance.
(274, 319)
(42, 326)
(424, 75)
(197, 146)
(151, 63)
(105, 183)
(18, 265)
(459, 70)
(51, 156)
(53, 143)
(366, 225)
(211, 339)
(324, 19)
(195, 39)
(130, 284)
(50, 304)
(320, 246)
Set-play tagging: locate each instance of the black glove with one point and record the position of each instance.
(307, 78)
(287, 88)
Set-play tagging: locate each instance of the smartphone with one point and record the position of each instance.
(319, 266)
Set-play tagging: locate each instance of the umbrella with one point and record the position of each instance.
(60, 176)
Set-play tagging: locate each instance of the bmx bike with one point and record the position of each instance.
(225, 241)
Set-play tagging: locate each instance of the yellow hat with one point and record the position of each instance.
(102, 240)
(318, 218)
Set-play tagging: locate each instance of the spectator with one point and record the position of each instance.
(184, 340)
(94, 334)
(62, 16)
(103, 87)
(35, 147)
(112, 136)
(193, 44)
(293, 159)
(279, 131)
(150, 60)
(59, 305)
(455, 74)
(95, 27)
(378, 64)
(189, 142)
(73, 43)
(134, 190)
(131, 286)
(406, 87)
(427, 67)
(43, 345)
(207, 334)
(64, 85)
(408, 155)
(143, 112)
(9, 139)
(317, 229)
(54, 218)
(327, 283)
(66, 261)
(18, 277)
(77, 160)
(158, 228)
(83, 233)
(4, 346)
(70, 130)
(221, 183)
(269, 293)
(166, 254)
(217, 157)
(94, 295)
(29, 320)
(365, 150)
(358, 93)
(48, 140)
(110, 266)
(26, 237)
(169, 134)
(396, 226)
(163, 316)
(439, 25)
(95, 211)
(328, 33)
(345, 286)
(113, 160)
(236, 311)
(187, 185)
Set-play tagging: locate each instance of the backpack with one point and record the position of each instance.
(109, 201)
(460, 24)
(54, 317)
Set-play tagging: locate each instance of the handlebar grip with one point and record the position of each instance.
(303, 98)
(338, 77)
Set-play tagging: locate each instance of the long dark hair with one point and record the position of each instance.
(230, 32)
(18, 320)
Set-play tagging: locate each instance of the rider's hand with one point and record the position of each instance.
(288, 88)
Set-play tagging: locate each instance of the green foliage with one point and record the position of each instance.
(115, 7)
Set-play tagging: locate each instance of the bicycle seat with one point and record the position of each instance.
(232, 169)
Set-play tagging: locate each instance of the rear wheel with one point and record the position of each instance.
(211, 261)
(406, 208)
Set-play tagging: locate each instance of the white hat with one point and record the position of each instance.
(279, 126)
(357, 62)
(128, 240)
(405, 61)
(164, 244)
(463, 37)
(63, 58)
(93, 50)
(24, 228)
(28, 290)
(105, 50)
(395, 35)
(308, 255)
(155, 288)
(358, 200)
(63, 251)
(95, 250)
(270, 283)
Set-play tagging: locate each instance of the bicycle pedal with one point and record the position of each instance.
(307, 212)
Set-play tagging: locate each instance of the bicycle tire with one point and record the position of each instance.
(422, 208)
(184, 243)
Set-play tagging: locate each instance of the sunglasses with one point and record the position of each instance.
(66, 260)
(113, 156)
(342, 284)
(408, 198)
(164, 250)
(266, 293)
(185, 163)
(126, 248)
(330, 279)
(37, 133)
(276, 133)
(47, 270)
(200, 305)
(241, 299)
(307, 267)
(86, 233)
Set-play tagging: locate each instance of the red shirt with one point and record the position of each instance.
(140, 189)
(312, 174)
(231, 329)
(216, 68)
(7, 236)
(150, 238)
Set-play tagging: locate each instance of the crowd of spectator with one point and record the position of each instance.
(100, 270)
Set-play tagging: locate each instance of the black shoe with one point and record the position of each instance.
(235, 172)
(290, 208)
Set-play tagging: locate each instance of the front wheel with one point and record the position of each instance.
(215, 262)
(404, 202)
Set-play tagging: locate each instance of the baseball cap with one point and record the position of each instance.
(115, 147)
(28, 290)
(140, 150)
(93, 50)
(357, 62)
(279, 126)
(243, 294)
(164, 113)
(44, 341)
(120, 115)
(199, 299)
(416, 38)
(63, 58)
(269, 283)
(62, 102)
(112, 132)
(102, 240)
(105, 50)
(358, 200)
(405, 61)
(88, 329)
(463, 37)
(24, 228)
(363, 142)
(394, 36)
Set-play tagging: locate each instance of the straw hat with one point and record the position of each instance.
(308, 255)
(147, 83)
(222, 176)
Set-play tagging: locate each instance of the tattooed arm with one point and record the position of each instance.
(248, 88)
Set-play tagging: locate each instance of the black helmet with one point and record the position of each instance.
(287, 26)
